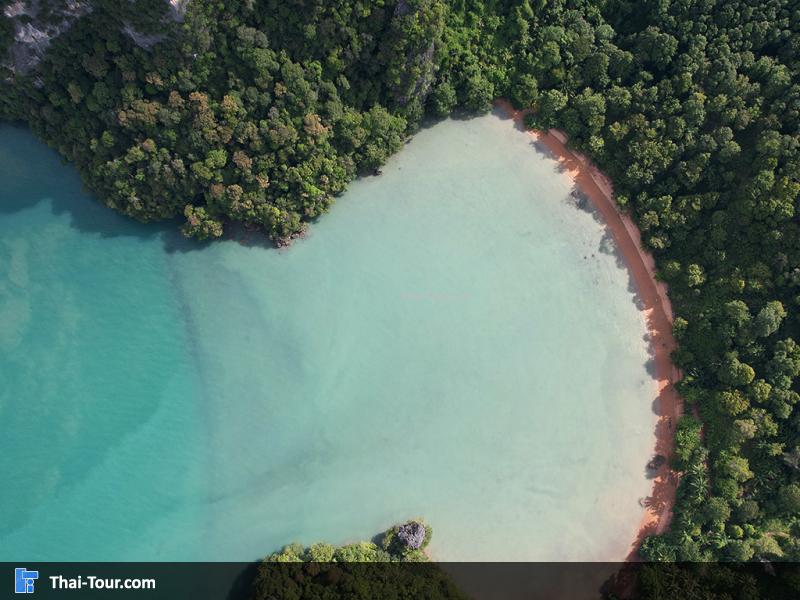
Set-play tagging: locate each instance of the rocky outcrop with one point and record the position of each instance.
(177, 9)
(411, 535)
(175, 14)
(36, 28)
(142, 40)
(414, 32)
(33, 31)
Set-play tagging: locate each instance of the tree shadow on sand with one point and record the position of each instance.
(649, 299)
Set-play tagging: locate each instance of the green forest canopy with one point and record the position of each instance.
(262, 111)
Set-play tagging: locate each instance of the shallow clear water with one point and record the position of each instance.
(455, 340)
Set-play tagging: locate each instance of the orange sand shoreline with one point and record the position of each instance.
(657, 313)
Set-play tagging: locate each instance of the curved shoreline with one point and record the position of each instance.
(657, 313)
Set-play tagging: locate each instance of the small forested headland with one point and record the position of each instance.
(405, 542)
(261, 112)
(325, 571)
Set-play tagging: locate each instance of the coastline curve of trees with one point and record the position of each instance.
(261, 112)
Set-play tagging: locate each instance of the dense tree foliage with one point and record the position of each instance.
(261, 112)
(663, 581)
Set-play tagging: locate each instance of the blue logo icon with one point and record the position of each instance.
(24, 580)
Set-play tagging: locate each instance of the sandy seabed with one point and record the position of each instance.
(657, 312)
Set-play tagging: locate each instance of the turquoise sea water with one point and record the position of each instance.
(455, 340)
